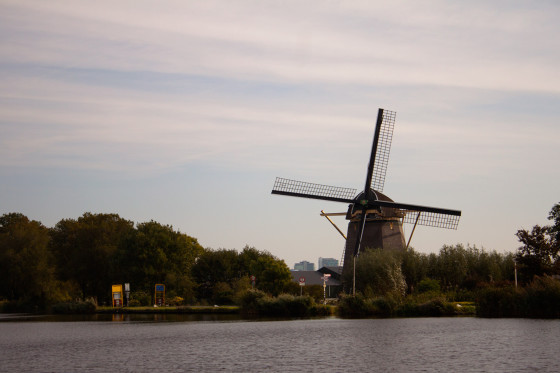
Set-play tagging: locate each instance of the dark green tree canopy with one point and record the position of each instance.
(228, 267)
(85, 250)
(25, 262)
(539, 253)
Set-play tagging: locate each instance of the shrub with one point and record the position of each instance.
(249, 301)
(354, 306)
(175, 301)
(543, 298)
(74, 307)
(501, 302)
(255, 302)
(428, 285)
(140, 298)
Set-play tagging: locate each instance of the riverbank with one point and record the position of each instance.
(170, 310)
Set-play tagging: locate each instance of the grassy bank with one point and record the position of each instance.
(257, 303)
(388, 306)
(176, 310)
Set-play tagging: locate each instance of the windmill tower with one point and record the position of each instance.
(375, 220)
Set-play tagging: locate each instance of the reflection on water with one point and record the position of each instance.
(144, 317)
(208, 343)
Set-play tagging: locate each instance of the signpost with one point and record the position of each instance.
(117, 297)
(301, 284)
(325, 278)
(127, 292)
(160, 295)
(253, 279)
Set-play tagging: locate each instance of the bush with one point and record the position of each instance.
(73, 307)
(140, 298)
(501, 302)
(175, 301)
(437, 307)
(383, 306)
(255, 302)
(426, 307)
(428, 285)
(354, 306)
(21, 305)
(543, 298)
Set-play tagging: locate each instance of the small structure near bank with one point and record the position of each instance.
(333, 284)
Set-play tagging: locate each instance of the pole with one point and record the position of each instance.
(354, 279)
(413, 228)
(333, 224)
(515, 270)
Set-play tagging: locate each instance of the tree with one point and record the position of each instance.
(272, 274)
(379, 272)
(554, 230)
(155, 253)
(538, 253)
(85, 251)
(25, 268)
(216, 270)
(215, 267)
(414, 267)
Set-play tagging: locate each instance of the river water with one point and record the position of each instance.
(166, 343)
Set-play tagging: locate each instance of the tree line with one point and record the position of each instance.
(462, 268)
(81, 258)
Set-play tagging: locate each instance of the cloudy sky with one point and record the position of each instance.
(184, 112)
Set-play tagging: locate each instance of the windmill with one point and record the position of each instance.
(375, 220)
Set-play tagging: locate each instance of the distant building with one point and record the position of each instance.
(327, 262)
(333, 282)
(304, 266)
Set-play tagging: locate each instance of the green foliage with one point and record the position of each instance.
(223, 274)
(155, 253)
(354, 306)
(554, 230)
(140, 298)
(428, 285)
(540, 253)
(434, 307)
(273, 275)
(26, 270)
(175, 301)
(73, 307)
(379, 272)
(543, 298)
(501, 302)
(540, 299)
(256, 302)
(84, 251)
(457, 267)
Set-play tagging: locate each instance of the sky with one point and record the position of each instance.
(184, 112)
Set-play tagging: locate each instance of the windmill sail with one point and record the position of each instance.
(383, 149)
(429, 216)
(303, 189)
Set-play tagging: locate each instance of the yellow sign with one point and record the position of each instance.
(117, 295)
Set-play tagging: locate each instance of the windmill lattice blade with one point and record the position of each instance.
(432, 219)
(302, 189)
(430, 216)
(383, 150)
